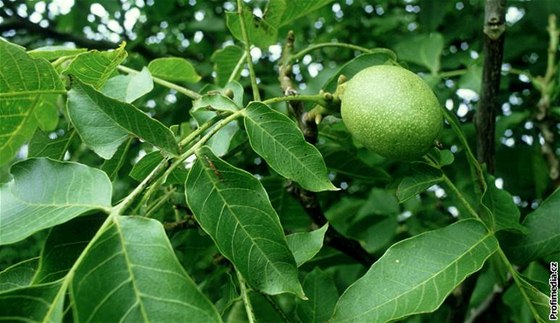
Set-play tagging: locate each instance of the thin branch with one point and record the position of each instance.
(252, 76)
(307, 199)
(246, 300)
(546, 87)
(183, 90)
(485, 117)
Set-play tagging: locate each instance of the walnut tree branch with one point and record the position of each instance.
(485, 117)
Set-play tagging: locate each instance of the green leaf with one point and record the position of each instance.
(45, 193)
(416, 275)
(356, 65)
(232, 207)
(95, 68)
(472, 79)
(292, 215)
(321, 290)
(104, 123)
(296, 9)
(37, 303)
(43, 146)
(215, 102)
(46, 112)
(499, 205)
(423, 176)
(262, 32)
(50, 53)
(277, 139)
(221, 141)
(431, 14)
(530, 297)
(346, 162)
(173, 69)
(228, 62)
(305, 245)
(543, 236)
(128, 88)
(147, 164)
(113, 165)
(131, 274)
(64, 245)
(424, 50)
(24, 82)
(18, 275)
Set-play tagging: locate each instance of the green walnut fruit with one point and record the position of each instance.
(392, 112)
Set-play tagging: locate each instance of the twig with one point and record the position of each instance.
(546, 85)
(247, 47)
(485, 117)
(246, 300)
(307, 199)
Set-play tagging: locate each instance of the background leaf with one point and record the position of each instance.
(262, 32)
(18, 275)
(227, 63)
(105, 123)
(305, 245)
(500, 206)
(424, 50)
(277, 140)
(233, 208)
(131, 274)
(416, 274)
(296, 9)
(321, 290)
(542, 238)
(44, 193)
(23, 82)
(41, 145)
(128, 88)
(422, 177)
(37, 303)
(174, 69)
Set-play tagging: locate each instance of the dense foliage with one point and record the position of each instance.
(178, 160)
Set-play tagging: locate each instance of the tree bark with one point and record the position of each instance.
(485, 117)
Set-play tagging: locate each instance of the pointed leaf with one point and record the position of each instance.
(305, 245)
(105, 123)
(423, 176)
(50, 53)
(64, 245)
(18, 275)
(44, 193)
(23, 82)
(296, 9)
(346, 162)
(321, 290)
(95, 68)
(174, 69)
(262, 32)
(215, 102)
(113, 165)
(43, 146)
(128, 88)
(357, 64)
(130, 274)
(37, 303)
(228, 63)
(232, 207)
(416, 275)
(424, 50)
(277, 139)
(523, 295)
(543, 236)
(499, 205)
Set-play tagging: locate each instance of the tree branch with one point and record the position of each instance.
(485, 117)
(307, 199)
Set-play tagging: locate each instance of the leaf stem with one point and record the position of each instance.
(119, 208)
(311, 48)
(452, 73)
(237, 67)
(317, 98)
(246, 301)
(159, 203)
(183, 90)
(461, 197)
(252, 76)
(203, 127)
